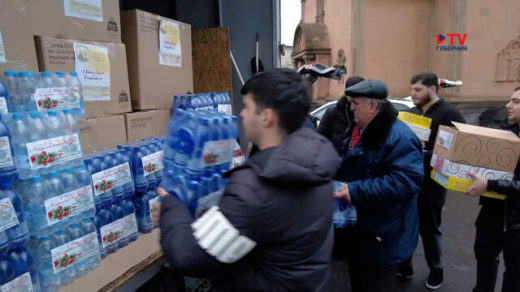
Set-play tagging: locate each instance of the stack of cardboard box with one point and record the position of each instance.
(490, 153)
(418, 124)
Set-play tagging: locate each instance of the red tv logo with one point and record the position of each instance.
(462, 39)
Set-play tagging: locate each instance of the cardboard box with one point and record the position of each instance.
(140, 125)
(75, 19)
(459, 184)
(152, 84)
(58, 55)
(419, 125)
(478, 146)
(17, 50)
(97, 133)
(459, 170)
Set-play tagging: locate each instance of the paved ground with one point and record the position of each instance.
(458, 230)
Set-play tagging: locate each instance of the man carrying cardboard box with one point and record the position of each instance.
(432, 196)
(491, 239)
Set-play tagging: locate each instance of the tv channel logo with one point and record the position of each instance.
(452, 47)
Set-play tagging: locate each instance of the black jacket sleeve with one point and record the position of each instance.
(179, 244)
(326, 127)
(504, 187)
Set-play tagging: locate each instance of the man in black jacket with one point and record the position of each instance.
(337, 119)
(272, 230)
(496, 216)
(432, 196)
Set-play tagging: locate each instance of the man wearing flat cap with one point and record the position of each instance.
(383, 168)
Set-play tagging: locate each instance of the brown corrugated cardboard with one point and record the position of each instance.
(140, 125)
(89, 23)
(478, 146)
(58, 55)
(18, 43)
(97, 133)
(152, 84)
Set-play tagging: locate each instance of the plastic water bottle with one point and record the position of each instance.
(74, 232)
(35, 126)
(69, 273)
(54, 126)
(12, 96)
(49, 281)
(195, 168)
(18, 234)
(119, 213)
(99, 165)
(20, 139)
(92, 170)
(8, 171)
(185, 137)
(176, 102)
(75, 83)
(142, 211)
(27, 89)
(59, 80)
(70, 183)
(88, 227)
(84, 180)
(70, 125)
(38, 225)
(23, 262)
(45, 80)
(55, 188)
(172, 140)
(107, 217)
(98, 223)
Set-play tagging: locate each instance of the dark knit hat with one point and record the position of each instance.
(353, 81)
(369, 88)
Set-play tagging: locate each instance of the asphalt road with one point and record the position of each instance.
(458, 228)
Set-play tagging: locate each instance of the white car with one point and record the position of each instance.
(401, 104)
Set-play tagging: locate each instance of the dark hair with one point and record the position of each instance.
(427, 79)
(285, 92)
(516, 89)
(353, 80)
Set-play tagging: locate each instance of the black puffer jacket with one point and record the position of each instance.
(335, 122)
(279, 203)
(512, 191)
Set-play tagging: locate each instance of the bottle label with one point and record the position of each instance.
(238, 156)
(49, 152)
(111, 178)
(217, 152)
(153, 201)
(69, 204)
(153, 162)
(224, 108)
(206, 202)
(57, 98)
(115, 231)
(8, 217)
(6, 157)
(21, 283)
(74, 251)
(3, 106)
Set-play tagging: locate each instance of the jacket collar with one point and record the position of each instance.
(375, 134)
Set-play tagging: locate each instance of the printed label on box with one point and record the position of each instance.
(2, 51)
(152, 163)
(217, 152)
(111, 178)
(8, 216)
(224, 108)
(69, 204)
(444, 140)
(169, 44)
(153, 201)
(74, 251)
(46, 153)
(19, 284)
(441, 179)
(6, 157)
(3, 106)
(86, 9)
(57, 98)
(116, 230)
(93, 67)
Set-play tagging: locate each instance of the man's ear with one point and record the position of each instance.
(433, 89)
(267, 117)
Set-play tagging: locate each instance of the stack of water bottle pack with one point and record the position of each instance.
(29, 92)
(217, 101)
(198, 149)
(344, 214)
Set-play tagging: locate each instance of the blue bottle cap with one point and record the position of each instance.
(52, 113)
(88, 161)
(53, 174)
(60, 74)
(67, 111)
(74, 74)
(82, 166)
(8, 73)
(67, 170)
(18, 116)
(35, 115)
(36, 178)
(46, 74)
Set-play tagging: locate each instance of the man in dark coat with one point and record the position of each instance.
(383, 168)
(498, 223)
(272, 230)
(337, 119)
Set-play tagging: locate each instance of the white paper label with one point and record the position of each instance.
(57, 98)
(111, 178)
(169, 44)
(8, 217)
(69, 204)
(238, 156)
(205, 203)
(19, 284)
(2, 51)
(444, 140)
(6, 157)
(3, 106)
(46, 153)
(74, 251)
(153, 163)
(113, 232)
(153, 201)
(93, 67)
(86, 9)
(224, 108)
(217, 152)
(441, 179)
